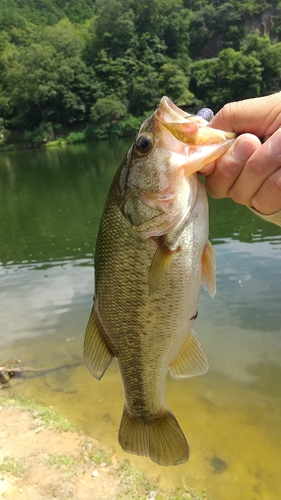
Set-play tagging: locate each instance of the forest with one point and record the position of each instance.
(92, 69)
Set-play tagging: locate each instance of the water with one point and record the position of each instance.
(50, 206)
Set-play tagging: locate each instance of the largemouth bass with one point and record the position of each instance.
(152, 255)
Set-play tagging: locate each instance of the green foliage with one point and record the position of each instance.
(269, 56)
(44, 12)
(75, 137)
(231, 76)
(105, 64)
(4, 133)
(123, 128)
(40, 135)
(175, 82)
(107, 110)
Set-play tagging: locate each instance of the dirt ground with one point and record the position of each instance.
(41, 463)
(43, 458)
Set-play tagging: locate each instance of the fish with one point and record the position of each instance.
(152, 255)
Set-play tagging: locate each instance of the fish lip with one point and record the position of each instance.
(168, 111)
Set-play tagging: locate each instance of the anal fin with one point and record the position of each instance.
(97, 354)
(190, 361)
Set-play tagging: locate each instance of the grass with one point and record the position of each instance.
(91, 453)
(64, 462)
(97, 454)
(136, 486)
(9, 464)
(46, 416)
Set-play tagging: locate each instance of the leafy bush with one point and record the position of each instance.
(126, 127)
(75, 137)
(4, 133)
(107, 110)
(40, 135)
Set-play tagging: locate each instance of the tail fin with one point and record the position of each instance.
(161, 438)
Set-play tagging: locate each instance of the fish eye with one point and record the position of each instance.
(143, 144)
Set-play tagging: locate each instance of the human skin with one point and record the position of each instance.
(250, 171)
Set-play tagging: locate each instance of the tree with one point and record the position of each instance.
(114, 27)
(46, 79)
(231, 76)
(269, 56)
(107, 110)
(128, 54)
(174, 83)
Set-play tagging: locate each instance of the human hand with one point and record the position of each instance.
(249, 172)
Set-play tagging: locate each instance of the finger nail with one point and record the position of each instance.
(242, 150)
(274, 143)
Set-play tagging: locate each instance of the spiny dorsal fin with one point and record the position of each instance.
(159, 266)
(209, 269)
(97, 354)
(190, 361)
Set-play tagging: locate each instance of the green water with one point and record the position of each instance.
(50, 205)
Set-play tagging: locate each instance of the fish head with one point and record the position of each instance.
(157, 188)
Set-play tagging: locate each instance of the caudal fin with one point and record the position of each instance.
(161, 439)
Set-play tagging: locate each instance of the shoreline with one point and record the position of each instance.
(43, 456)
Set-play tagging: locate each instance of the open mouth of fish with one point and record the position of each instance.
(204, 143)
(192, 144)
(180, 144)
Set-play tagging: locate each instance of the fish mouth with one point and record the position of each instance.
(182, 145)
(201, 143)
(187, 128)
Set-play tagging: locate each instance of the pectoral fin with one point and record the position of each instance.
(159, 266)
(209, 269)
(191, 360)
(97, 354)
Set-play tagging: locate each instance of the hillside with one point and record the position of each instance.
(103, 65)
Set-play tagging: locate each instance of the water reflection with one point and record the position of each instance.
(51, 200)
(34, 298)
(50, 206)
(249, 278)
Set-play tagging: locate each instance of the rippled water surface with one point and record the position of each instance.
(50, 206)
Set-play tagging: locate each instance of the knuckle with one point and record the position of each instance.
(255, 168)
(225, 111)
(236, 196)
(273, 183)
(215, 193)
(268, 198)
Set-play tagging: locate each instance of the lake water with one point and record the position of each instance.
(50, 206)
